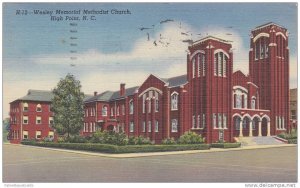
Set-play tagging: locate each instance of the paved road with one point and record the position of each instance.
(24, 164)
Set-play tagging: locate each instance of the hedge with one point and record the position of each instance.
(226, 145)
(292, 141)
(106, 148)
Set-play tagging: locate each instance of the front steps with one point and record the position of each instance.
(263, 140)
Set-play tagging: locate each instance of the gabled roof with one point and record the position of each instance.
(239, 74)
(37, 95)
(176, 81)
(266, 25)
(111, 95)
(128, 92)
(211, 38)
(105, 96)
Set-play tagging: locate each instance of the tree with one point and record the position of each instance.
(5, 129)
(67, 106)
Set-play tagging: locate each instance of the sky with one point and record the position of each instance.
(112, 48)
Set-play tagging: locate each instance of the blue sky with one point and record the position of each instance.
(112, 49)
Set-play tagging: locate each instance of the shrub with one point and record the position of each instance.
(76, 139)
(107, 148)
(190, 138)
(106, 137)
(292, 141)
(48, 139)
(140, 140)
(168, 141)
(287, 136)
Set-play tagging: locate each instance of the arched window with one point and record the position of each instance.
(174, 125)
(199, 65)
(220, 63)
(104, 111)
(131, 106)
(174, 101)
(25, 107)
(38, 108)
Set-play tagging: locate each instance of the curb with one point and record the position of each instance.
(136, 155)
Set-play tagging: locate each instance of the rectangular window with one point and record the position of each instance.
(149, 105)
(131, 127)
(112, 112)
(219, 120)
(25, 119)
(224, 121)
(216, 64)
(51, 121)
(38, 120)
(25, 134)
(38, 134)
(199, 65)
(51, 134)
(283, 123)
(174, 125)
(220, 61)
(203, 120)
(144, 126)
(118, 111)
(156, 126)
(193, 122)
(199, 122)
(149, 126)
(214, 120)
(144, 103)
(193, 67)
(276, 122)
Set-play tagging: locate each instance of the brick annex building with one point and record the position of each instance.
(210, 99)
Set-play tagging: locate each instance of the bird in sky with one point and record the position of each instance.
(165, 21)
(144, 28)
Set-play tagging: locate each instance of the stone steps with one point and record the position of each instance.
(264, 140)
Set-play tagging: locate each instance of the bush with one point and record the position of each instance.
(168, 141)
(107, 148)
(106, 137)
(292, 135)
(190, 138)
(76, 139)
(225, 145)
(292, 141)
(48, 139)
(140, 140)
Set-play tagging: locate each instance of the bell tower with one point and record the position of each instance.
(269, 69)
(209, 72)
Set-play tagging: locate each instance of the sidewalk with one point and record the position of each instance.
(134, 155)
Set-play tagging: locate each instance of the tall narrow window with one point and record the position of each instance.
(156, 126)
(123, 109)
(283, 127)
(253, 103)
(104, 111)
(262, 48)
(174, 101)
(220, 61)
(193, 67)
(238, 101)
(174, 125)
(225, 59)
(203, 64)
(144, 103)
(257, 50)
(112, 111)
(198, 122)
(131, 127)
(245, 101)
(131, 106)
(149, 105)
(199, 65)
(203, 120)
(194, 122)
(156, 102)
(216, 64)
(224, 121)
(118, 111)
(144, 126)
(219, 120)
(149, 126)
(214, 120)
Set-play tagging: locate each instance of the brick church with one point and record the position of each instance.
(210, 99)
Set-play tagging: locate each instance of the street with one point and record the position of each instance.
(25, 164)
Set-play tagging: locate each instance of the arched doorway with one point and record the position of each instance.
(255, 126)
(264, 126)
(236, 126)
(246, 124)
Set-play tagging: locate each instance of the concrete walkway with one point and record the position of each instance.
(148, 154)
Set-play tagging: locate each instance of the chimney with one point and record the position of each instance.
(95, 93)
(122, 89)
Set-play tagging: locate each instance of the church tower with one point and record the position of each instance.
(209, 72)
(269, 69)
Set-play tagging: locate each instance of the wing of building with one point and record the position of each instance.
(210, 99)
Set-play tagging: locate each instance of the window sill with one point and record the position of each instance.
(197, 128)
